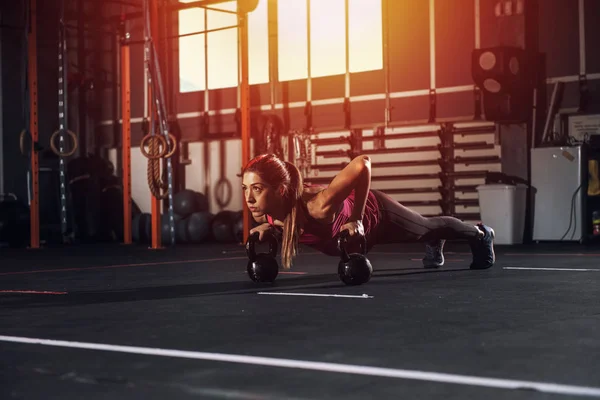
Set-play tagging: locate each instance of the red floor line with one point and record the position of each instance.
(41, 271)
(30, 292)
(553, 254)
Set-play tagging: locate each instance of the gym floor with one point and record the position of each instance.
(119, 322)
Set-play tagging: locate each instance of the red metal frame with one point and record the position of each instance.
(126, 139)
(244, 106)
(33, 128)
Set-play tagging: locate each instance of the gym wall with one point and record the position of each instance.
(414, 42)
(430, 44)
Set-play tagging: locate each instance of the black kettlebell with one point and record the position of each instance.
(355, 268)
(262, 267)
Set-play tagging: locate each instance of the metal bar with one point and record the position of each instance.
(181, 6)
(34, 208)
(63, 121)
(389, 164)
(124, 3)
(126, 141)
(344, 139)
(465, 188)
(198, 4)
(81, 92)
(411, 190)
(386, 61)
(220, 10)
(205, 117)
(382, 178)
(432, 61)
(343, 153)
(581, 16)
(473, 146)
(476, 160)
(420, 203)
(151, 31)
(309, 69)
(186, 34)
(474, 130)
(245, 105)
(347, 44)
(466, 202)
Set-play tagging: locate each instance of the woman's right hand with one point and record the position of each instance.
(261, 229)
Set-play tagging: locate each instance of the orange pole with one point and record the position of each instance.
(155, 202)
(244, 105)
(34, 208)
(126, 137)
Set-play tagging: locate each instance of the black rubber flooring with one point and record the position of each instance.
(119, 322)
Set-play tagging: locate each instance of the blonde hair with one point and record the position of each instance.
(285, 175)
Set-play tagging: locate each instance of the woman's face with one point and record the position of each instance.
(259, 196)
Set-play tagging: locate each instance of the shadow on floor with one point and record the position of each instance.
(322, 281)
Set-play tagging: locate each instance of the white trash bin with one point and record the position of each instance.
(502, 207)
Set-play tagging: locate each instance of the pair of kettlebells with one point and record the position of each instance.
(262, 267)
(355, 268)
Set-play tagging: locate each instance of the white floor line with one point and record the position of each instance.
(361, 296)
(324, 366)
(553, 269)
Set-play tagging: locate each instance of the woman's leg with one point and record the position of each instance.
(400, 223)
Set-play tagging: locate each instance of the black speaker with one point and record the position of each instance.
(505, 76)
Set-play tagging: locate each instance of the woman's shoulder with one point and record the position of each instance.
(313, 205)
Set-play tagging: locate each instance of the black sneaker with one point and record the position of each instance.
(483, 249)
(434, 256)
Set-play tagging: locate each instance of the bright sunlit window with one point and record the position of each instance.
(327, 42)
(365, 35)
(222, 60)
(292, 39)
(327, 37)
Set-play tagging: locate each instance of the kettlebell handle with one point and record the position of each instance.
(253, 239)
(343, 241)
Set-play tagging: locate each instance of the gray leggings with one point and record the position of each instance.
(401, 224)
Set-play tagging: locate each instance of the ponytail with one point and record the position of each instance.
(291, 231)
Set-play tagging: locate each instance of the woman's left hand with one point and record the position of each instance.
(354, 228)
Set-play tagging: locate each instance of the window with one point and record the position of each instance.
(222, 47)
(328, 37)
(220, 65)
(365, 35)
(191, 50)
(292, 39)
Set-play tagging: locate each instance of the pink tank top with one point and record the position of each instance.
(322, 236)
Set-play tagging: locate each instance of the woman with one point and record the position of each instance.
(277, 198)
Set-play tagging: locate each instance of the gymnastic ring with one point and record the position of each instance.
(22, 141)
(223, 185)
(161, 141)
(172, 144)
(57, 151)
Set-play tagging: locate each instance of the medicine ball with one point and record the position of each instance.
(165, 234)
(188, 202)
(222, 226)
(199, 226)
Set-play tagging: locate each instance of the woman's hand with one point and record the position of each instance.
(354, 228)
(261, 229)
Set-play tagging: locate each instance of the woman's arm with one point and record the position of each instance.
(355, 176)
